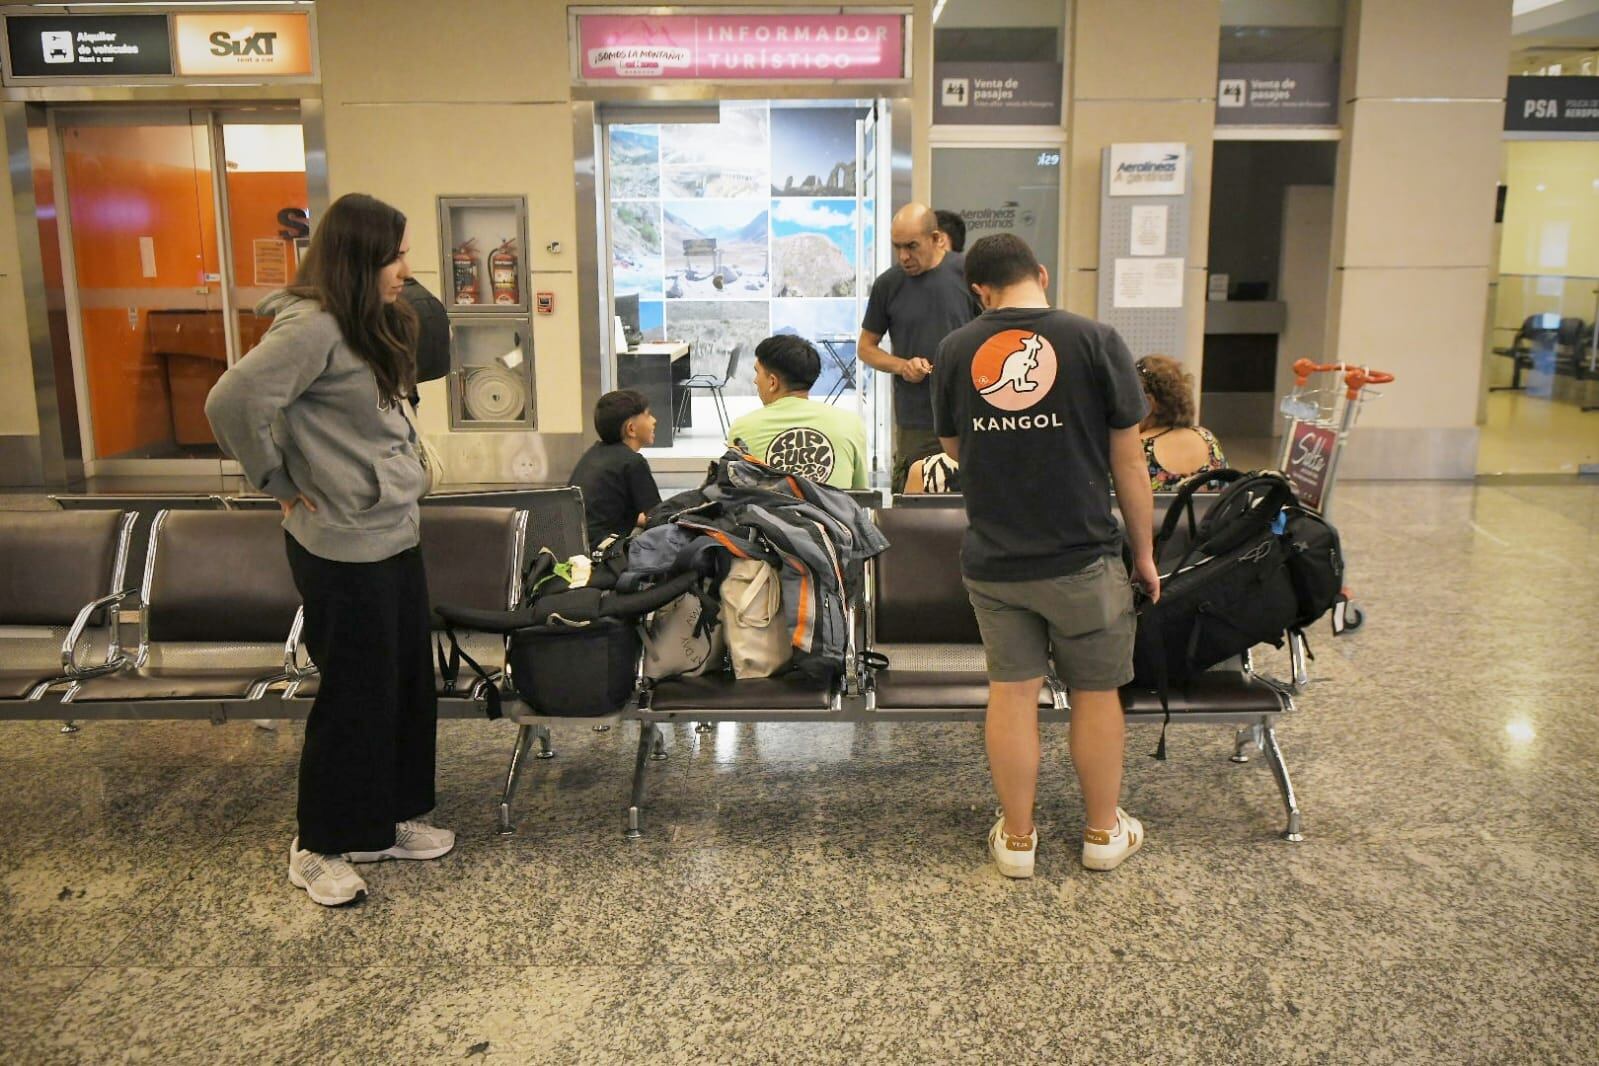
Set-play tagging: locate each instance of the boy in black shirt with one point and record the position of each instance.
(1042, 408)
(618, 488)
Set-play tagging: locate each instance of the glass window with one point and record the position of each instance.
(1017, 31)
(1282, 31)
(724, 233)
(1004, 190)
(998, 64)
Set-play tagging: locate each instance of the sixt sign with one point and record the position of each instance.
(257, 44)
(250, 44)
(1555, 105)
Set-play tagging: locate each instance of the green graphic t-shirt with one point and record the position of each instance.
(809, 438)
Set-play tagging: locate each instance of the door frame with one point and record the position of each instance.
(54, 457)
(591, 151)
(205, 119)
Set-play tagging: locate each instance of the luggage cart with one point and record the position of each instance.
(1319, 422)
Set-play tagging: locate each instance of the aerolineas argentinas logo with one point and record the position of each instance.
(1148, 170)
(1014, 370)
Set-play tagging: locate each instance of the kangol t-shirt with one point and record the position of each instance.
(1033, 394)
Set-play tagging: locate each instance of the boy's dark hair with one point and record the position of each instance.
(954, 228)
(792, 358)
(614, 409)
(1000, 260)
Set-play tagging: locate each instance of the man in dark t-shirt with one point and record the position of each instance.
(915, 302)
(618, 488)
(1042, 409)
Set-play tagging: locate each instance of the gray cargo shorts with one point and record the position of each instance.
(1084, 620)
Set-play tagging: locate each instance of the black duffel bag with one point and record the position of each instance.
(574, 672)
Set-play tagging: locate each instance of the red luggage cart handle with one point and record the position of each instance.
(1355, 377)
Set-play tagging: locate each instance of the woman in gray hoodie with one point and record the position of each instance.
(317, 416)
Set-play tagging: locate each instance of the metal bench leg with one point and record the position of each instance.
(524, 741)
(648, 737)
(1245, 739)
(545, 751)
(1298, 656)
(69, 727)
(658, 749)
(1274, 757)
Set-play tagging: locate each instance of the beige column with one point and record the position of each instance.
(1422, 112)
(1140, 70)
(19, 420)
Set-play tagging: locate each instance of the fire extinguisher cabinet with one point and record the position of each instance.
(484, 284)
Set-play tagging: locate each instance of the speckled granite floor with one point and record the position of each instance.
(819, 894)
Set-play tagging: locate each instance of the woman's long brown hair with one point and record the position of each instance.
(357, 237)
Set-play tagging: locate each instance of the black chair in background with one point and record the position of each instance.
(1537, 332)
(710, 384)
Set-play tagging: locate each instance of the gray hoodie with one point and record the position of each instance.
(301, 414)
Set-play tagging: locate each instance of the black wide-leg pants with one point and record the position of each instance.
(368, 757)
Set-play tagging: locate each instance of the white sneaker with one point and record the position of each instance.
(1106, 850)
(412, 840)
(327, 879)
(1012, 854)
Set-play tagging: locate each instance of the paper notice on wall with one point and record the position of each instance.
(1148, 283)
(147, 256)
(271, 262)
(1148, 226)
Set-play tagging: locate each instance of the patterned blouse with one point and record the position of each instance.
(1163, 480)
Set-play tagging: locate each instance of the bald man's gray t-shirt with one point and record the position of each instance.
(916, 314)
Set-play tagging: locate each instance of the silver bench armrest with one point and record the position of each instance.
(114, 659)
(291, 651)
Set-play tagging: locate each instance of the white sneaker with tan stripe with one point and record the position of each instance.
(1012, 854)
(412, 840)
(1105, 849)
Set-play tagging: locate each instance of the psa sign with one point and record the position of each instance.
(1562, 104)
(243, 44)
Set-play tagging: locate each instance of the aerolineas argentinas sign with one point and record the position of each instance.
(723, 47)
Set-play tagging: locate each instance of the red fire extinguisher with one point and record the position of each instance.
(465, 262)
(502, 273)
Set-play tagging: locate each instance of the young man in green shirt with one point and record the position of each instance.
(793, 432)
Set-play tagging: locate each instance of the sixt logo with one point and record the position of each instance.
(256, 44)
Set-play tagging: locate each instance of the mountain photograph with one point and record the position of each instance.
(813, 151)
(636, 261)
(635, 163)
(726, 257)
(813, 247)
(725, 160)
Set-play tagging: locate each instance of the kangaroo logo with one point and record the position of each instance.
(1018, 365)
(1014, 369)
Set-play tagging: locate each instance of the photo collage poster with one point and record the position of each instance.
(733, 231)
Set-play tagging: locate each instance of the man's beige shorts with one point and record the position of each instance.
(1085, 619)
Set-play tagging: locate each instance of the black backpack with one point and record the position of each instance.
(1257, 567)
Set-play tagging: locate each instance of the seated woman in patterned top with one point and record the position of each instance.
(1174, 447)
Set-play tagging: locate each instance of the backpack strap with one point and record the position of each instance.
(491, 689)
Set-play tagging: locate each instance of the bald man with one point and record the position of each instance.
(916, 303)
